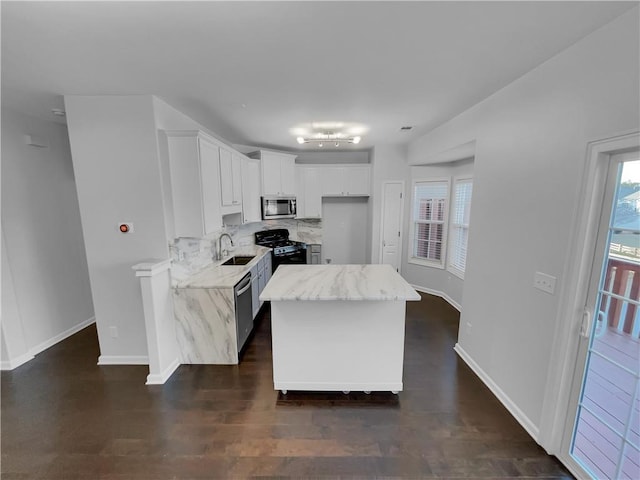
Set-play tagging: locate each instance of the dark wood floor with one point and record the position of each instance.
(65, 417)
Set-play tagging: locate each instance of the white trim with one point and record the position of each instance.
(15, 362)
(440, 294)
(161, 378)
(401, 239)
(509, 404)
(573, 292)
(151, 267)
(123, 360)
(58, 338)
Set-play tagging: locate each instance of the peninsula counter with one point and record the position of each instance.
(338, 327)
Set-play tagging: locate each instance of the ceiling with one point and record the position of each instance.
(253, 72)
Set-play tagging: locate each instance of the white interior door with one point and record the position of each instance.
(602, 435)
(391, 223)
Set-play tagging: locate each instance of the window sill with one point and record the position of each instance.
(425, 263)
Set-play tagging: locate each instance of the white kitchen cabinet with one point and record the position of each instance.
(260, 275)
(255, 292)
(251, 190)
(314, 254)
(230, 182)
(309, 192)
(346, 181)
(278, 173)
(194, 165)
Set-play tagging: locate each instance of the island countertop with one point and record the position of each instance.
(338, 282)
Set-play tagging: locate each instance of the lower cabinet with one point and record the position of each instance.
(314, 254)
(260, 275)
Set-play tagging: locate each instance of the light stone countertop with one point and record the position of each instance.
(225, 276)
(337, 282)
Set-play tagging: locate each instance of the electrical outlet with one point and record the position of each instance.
(544, 282)
(113, 331)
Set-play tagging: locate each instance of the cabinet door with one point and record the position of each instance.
(312, 193)
(226, 178)
(261, 281)
(270, 165)
(255, 301)
(332, 181)
(267, 269)
(251, 190)
(210, 179)
(236, 176)
(356, 180)
(287, 176)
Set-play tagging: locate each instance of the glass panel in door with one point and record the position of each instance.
(606, 436)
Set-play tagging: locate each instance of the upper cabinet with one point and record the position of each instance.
(278, 173)
(194, 164)
(230, 181)
(346, 181)
(317, 181)
(309, 192)
(251, 190)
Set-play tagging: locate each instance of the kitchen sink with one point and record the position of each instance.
(238, 260)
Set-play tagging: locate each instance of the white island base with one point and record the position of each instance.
(338, 345)
(338, 327)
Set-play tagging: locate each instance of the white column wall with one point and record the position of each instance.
(115, 159)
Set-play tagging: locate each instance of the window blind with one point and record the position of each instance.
(459, 235)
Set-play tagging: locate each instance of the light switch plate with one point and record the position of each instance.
(544, 282)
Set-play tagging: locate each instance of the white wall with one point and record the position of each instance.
(358, 156)
(531, 141)
(437, 281)
(14, 350)
(46, 268)
(344, 230)
(115, 159)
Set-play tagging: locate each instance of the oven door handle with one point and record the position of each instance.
(292, 254)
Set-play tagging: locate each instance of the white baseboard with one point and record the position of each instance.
(518, 414)
(41, 347)
(161, 378)
(123, 360)
(440, 294)
(15, 362)
(58, 338)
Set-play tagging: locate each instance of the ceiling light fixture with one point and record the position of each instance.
(336, 138)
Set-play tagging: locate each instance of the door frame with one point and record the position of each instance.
(574, 291)
(401, 239)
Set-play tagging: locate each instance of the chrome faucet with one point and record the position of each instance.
(220, 244)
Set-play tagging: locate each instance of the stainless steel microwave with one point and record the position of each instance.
(278, 207)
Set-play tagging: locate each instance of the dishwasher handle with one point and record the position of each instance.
(243, 285)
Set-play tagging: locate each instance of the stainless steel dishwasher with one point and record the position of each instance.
(244, 310)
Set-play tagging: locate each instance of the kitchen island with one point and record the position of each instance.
(338, 327)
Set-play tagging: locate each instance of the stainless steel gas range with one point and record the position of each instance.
(285, 251)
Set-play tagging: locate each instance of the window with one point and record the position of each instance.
(429, 222)
(459, 233)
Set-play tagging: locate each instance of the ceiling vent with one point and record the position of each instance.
(405, 129)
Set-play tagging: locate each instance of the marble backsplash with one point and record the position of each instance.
(189, 254)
